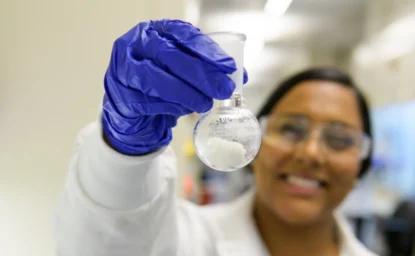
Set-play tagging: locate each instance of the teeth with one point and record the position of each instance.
(306, 183)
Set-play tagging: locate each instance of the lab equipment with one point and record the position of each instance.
(160, 70)
(399, 229)
(228, 137)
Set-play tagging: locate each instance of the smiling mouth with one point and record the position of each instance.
(307, 183)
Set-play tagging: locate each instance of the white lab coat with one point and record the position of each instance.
(116, 205)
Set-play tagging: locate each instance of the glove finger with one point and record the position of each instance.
(129, 103)
(207, 78)
(192, 40)
(153, 81)
(246, 78)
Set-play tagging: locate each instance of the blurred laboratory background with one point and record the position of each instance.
(54, 55)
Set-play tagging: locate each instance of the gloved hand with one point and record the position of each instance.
(159, 71)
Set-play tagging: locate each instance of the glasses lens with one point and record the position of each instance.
(336, 139)
(340, 139)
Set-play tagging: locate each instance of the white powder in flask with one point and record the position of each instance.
(224, 154)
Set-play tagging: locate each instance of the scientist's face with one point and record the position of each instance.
(309, 159)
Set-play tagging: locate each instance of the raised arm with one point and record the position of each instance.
(119, 195)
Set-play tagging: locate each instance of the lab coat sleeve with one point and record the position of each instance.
(116, 205)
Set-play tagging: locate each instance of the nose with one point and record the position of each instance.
(310, 153)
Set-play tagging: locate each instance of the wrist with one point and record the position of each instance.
(108, 142)
(140, 143)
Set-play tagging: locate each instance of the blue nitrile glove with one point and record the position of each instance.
(159, 71)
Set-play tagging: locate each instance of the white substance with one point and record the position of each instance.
(224, 154)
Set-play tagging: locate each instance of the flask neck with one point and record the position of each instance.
(236, 100)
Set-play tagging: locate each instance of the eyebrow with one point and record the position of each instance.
(337, 123)
(294, 115)
(341, 124)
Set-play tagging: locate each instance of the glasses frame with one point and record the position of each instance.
(366, 141)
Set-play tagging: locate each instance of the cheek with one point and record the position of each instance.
(267, 162)
(343, 179)
(270, 157)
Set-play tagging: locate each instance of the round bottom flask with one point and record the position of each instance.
(228, 137)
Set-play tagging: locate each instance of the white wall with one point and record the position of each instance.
(53, 55)
(392, 80)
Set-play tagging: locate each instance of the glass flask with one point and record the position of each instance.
(228, 137)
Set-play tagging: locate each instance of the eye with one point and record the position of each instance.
(339, 140)
(292, 132)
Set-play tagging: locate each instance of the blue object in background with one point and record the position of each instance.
(394, 152)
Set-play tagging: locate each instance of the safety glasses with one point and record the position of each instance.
(335, 139)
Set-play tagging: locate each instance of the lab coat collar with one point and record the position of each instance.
(238, 225)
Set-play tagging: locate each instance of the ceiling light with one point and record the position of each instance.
(277, 7)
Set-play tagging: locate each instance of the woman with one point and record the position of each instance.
(119, 198)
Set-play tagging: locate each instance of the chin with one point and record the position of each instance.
(299, 213)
